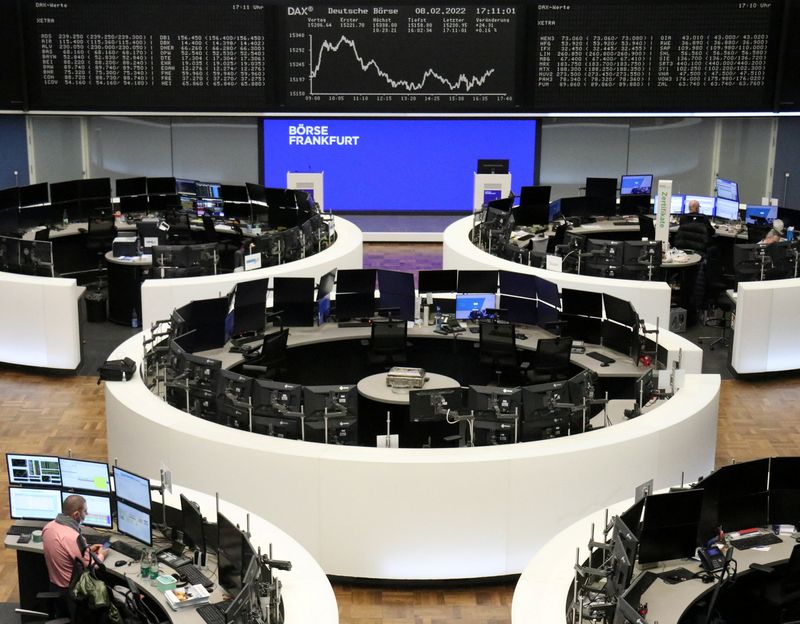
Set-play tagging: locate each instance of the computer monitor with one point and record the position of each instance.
(620, 310)
(670, 526)
(544, 411)
(618, 337)
(294, 298)
(438, 281)
(355, 281)
(326, 285)
(632, 517)
(194, 530)
(34, 194)
(234, 399)
(98, 510)
(640, 184)
(534, 195)
(493, 165)
(495, 401)
(92, 188)
(477, 281)
(128, 187)
(735, 497)
(677, 204)
(61, 192)
(627, 609)
(86, 475)
(342, 400)
(131, 487)
(727, 209)
(161, 186)
(434, 405)
(707, 204)
(354, 305)
(276, 397)
(727, 189)
(397, 291)
(645, 388)
(34, 503)
(230, 554)
(517, 284)
(581, 302)
(519, 310)
(134, 523)
(249, 306)
(473, 305)
(784, 490)
(760, 215)
(9, 198)
(33, 469)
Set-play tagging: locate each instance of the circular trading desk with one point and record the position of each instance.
(650, 299)
(414, 514)
(161, 296)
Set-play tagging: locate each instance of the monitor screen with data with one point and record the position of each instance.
(727, 209)
(727, 189)
(34, 503)
(473, 305)
(706, 204)
(98, 510)
(134, 523)
(79, 474)
(33, 469)
(636, 184)
(132, 488)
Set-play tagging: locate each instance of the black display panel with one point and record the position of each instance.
(402, 56)
(12, 78)
(654, 56)
(149, 55)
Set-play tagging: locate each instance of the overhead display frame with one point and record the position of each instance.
(149, 55)
(402, 56)
(660, 56)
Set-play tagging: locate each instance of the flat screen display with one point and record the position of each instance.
(33, 469)
(636, 184)
(473, 304)
(397, 165)
(34, 503)
(84, 475)
(676, 205)
(727, 189)
(706, 204)
(132, 488)
(134, 523)
(760, 214)
(98, 510)
(727, 209)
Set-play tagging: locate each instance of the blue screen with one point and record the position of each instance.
(636, 184)
(767, 213)
(466, 304)
(377, 165)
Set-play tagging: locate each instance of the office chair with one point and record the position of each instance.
(716, 299)
(387, 343)
(557, 238)
(270, 360)
(99, 238)
(227, 246)
(498, 348)
(551, 360)
(756, 233)
(180, 231)
(647, 228)
(779, 599)
(694, 234)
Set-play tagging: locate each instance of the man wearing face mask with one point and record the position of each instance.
(60, 541)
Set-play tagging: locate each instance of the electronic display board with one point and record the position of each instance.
(654, 56)
(181, 55)
(402, 56)
(12, 78)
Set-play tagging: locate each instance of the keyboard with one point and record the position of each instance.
(211, 614)
(21, 529)
(194, 576)
(475, 330)
(762, 539)
(95, 538)
(600, 357)
(129, 550)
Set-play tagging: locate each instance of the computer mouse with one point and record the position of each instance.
(181, 578)
(120, 563)
(604, 364)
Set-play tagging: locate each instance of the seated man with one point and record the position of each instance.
(695, 231)
(775, 235)
(60, 541)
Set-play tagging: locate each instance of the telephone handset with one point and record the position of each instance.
(712, 559)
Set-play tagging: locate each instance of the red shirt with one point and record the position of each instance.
(60, 550)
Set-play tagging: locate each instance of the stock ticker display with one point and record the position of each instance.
(409, 56)
(179, 55)
(491, 56)
(663, 56)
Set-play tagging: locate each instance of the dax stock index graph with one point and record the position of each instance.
(427, 56)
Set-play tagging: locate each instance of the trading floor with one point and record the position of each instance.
(69, 412)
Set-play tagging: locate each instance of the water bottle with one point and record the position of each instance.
(134, 319)
(438, 317)
(65, 217)
(144, 564)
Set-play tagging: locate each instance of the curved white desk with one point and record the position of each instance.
(650, 299)
(415, 513)
(39, 321)
(767, 318)
(161, 297)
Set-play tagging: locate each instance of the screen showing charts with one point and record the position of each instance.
(132, 488)
(636, 184)
(33, 469)
(727, 209)
(471, 303)
(727, 189)
(134, 522)
(34, 503)
(676, 205)
(84, 475)
(374, 165)
(98, 510)
(706, 204)
(419, 56)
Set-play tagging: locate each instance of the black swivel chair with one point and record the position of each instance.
(387, 344)
(498, 348)
(556, 239)
(99, 238)
(716, 298)
(270, 360)
(694, 234)
(756, 233)
(551, 360)
(779, 598)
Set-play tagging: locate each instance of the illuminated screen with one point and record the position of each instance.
(706, 204)
(33, 469)
(132, 488)
(727, 189)
(677, 204)
(134, 522)
(375, 165)
(84, 475)
(764, 214)
(636, 184)
(34, 503)
(467, 304)
(727, 209)
(98, 510)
